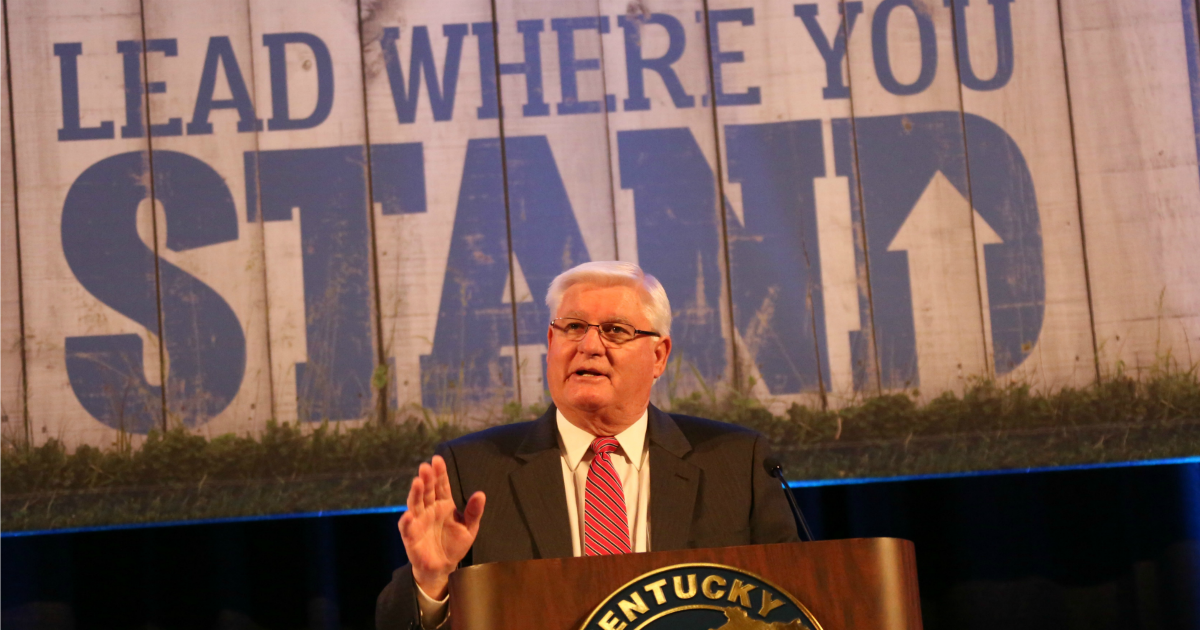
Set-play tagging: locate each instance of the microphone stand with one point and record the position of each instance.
(775, 469)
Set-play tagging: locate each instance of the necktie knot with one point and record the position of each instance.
(605, 445)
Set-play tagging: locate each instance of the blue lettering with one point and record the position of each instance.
(752, 95)
(1003, 194)
(204, 340)
(281, 119)
(879, 47)
(441, 99)
(485, 33)
(679, 234)
(329, 187)
(898, 156)
(636, 65)
(862, 344)
(220, 51)
(895, 164)
(73, 129)
(398, 186)
(398, 177)
(474, 321)
(132, 51)
(101, 245)
(465, 366)
(775, 261)
(835, 84)
(1002, 18)
(546, 239)
(568, 65)
(532, 68)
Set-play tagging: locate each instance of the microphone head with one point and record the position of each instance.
(772, 466)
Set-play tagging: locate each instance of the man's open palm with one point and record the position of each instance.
(436, 535)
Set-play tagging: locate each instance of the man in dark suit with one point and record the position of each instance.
(602, 471)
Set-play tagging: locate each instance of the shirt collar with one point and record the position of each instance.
(575, 442)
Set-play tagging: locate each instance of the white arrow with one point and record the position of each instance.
(519, 284)
(949, 290)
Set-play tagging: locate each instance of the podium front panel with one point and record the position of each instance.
(853, 584)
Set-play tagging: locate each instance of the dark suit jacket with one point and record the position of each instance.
(708, 488)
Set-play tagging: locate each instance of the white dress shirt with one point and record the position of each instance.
(632, 465)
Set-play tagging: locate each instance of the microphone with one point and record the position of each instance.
(775, 469)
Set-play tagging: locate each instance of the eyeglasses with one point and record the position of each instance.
(615, 333)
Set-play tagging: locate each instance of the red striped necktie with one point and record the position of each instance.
(605, 521)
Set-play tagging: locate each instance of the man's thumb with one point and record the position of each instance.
(473, 511)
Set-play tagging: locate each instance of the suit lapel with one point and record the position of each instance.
(673, 484)
(538, 488)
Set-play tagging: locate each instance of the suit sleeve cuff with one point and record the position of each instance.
(434, 613)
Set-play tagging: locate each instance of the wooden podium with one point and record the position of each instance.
(858, 584)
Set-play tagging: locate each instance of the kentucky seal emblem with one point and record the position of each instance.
(700, 597)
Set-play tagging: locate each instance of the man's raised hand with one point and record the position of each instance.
(436, 535)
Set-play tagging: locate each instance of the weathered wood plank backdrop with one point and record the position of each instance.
(925, 305)
(1032, 108)
(12, 399)
(93, 359)
(1132, 72)
(312, 197)
(228, 255)
(221, 213)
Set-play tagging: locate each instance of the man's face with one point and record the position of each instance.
(603, 386)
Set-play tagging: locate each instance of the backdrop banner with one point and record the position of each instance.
(260, 257)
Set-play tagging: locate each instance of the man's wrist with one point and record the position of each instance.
(435, 586)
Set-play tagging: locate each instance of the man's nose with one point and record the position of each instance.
(591, 342)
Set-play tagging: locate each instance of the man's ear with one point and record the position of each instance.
(662, 352)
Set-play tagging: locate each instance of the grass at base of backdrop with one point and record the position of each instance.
(176, 475)
(989, 427)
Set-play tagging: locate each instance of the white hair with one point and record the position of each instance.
(613, 273)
